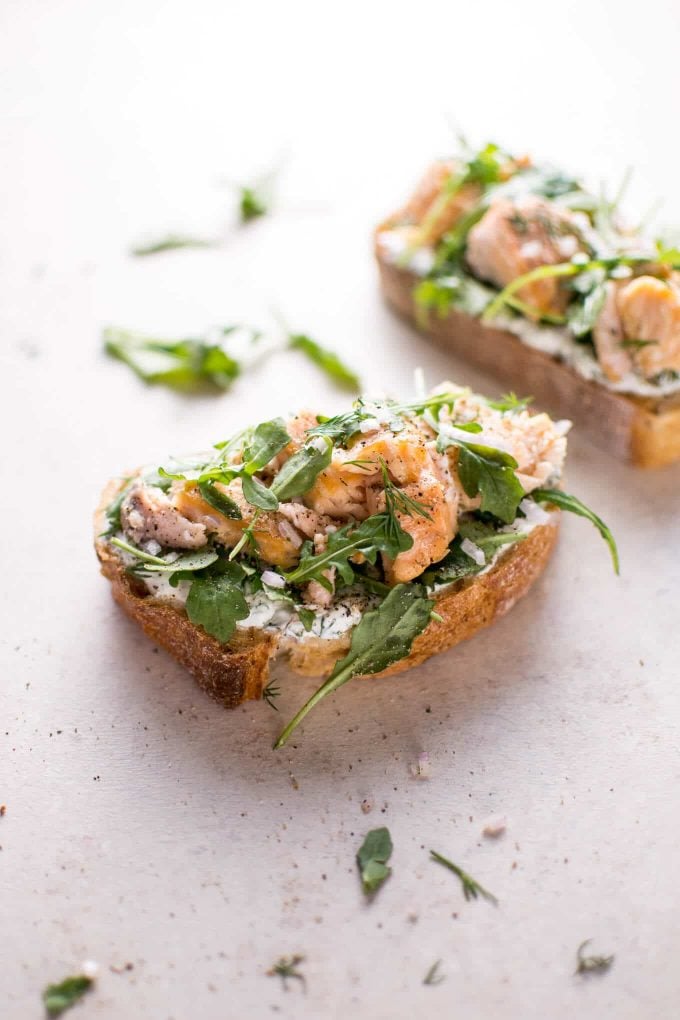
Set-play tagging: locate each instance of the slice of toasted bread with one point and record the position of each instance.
(238, 671)
(642, 430)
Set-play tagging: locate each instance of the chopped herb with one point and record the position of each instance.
(433, 977)
(286, 968)
(343, 427)
(219, 501)
(188, 364)
(300, 471)
(379, 533)
(172, 243)
(489, 472)
(252, 204)
(306, 617)
(267, 440)
(509, 402)
(59, 998)
(590, 964)
(638, 345)
(327, 360)
(270, 693)
(372, 858)
(583, 315)
(215, 603)
(383, 636)
(398, 501)
(566, 502)
(258, 494)
(471, 888)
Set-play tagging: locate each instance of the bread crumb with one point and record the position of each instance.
(495, 826)
(366, 805)
(3, 810)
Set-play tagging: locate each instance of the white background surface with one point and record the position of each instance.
(146, 825)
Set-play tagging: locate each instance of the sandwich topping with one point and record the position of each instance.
(528, 249)
(341, 531)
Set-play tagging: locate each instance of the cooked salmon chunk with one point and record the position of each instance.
(513, 238)
(650, 312)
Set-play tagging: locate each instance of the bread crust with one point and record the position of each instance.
(239, 671)
(641, 430)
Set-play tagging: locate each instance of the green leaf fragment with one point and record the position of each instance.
(216, 604)
(566, 502)
(60, 997)
(328, 361)
(372, 858)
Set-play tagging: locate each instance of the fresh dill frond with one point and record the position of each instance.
(270, 693)
(398, 501)
(471, 888)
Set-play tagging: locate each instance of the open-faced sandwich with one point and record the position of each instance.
(521, 270)
(353, 545)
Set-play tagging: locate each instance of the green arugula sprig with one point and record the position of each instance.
(471, 888)
(457, 564)
(343, 427)
(188, 364)
(328, 361)
(382, 637)
(173, 242)
(566, 502)
(486, 471)
(372, 858)
(380, 533)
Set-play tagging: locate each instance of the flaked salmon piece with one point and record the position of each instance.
(537, 443)
(431, 209)
(148, 514)
(608, 337)
(274, 543)
(513, 238)
(650, 310)
(431, 535)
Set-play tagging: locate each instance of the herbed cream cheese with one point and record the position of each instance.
(557, 341)
(277, 615)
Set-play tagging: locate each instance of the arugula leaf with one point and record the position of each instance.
(300, 471)
(58, 998)
(383, 636)
(266, 441)
(189, 364)
(566, 502)
(343, 427)
(457, 564)
(483, 469)
(112, 512)
(442, 293)
(372, 858)
(189, 561)
(379, 533)
(219, 501)
(328, 361)
(582, 315)
(171, 243)
(258, 494)
(215, 603)
(252, 203)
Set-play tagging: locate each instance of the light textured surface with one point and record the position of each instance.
(143, 823)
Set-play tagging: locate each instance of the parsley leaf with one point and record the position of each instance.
(372, 858)
(383, 636)
(300, 471)
(189, 364)
(379, 533)
(172, 242)
(215, 603)
(59, 998)
(328, 361)
(566, 502)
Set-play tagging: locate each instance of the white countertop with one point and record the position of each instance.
(143, 823)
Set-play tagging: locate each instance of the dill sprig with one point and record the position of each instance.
(471, 888)
(433, 977)
(397, 501)
(590, 964)
(270, 693)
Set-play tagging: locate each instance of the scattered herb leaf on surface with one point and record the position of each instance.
(60, 997)
(471, 888)
(286, 967)
(328, 361)
(173, 242)
(433, 977)
(372, 858)
(590, 964)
